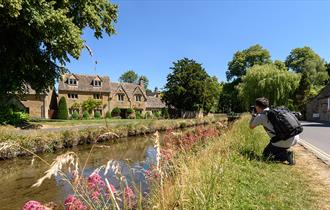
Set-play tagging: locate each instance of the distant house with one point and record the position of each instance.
(77, 88)
(319, 107)
(154, 102)
(42, 105)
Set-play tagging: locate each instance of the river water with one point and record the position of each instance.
(18, 175)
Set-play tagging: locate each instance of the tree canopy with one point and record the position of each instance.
(129, 76)
(270, 82)
(38, 37)
(146, 81)
(189, 87)
(305, 60)
(245, 59)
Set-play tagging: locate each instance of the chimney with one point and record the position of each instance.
(141, 82)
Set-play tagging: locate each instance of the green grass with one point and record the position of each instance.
(228, 173)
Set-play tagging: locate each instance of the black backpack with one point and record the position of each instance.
(285, 123)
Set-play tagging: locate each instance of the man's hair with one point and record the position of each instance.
(262, 102)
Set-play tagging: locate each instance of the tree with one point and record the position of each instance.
(314, 73)
(270, 82)
(189, 87)
(62, 112)
(90, 104)
(129, 76)
(229, 100)
(38, 37)
(328, 69)
(245, 59)
(280, 65)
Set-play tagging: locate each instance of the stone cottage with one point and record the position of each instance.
(318, 109)
(77, 88)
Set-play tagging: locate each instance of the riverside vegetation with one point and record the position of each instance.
(229, 173)
(39, 141)
(124, 192)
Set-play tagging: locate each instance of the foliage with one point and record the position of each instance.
(129, 76)
(12, 115)
(268, 81)
(164, 113)
(97, 115)
(108, 114)
(138, 115)
(314, 73)
(85, 115)
(280, 65)
(75, 115)
(75, 106)
(90, 104)
(129, 111)
(189, 87)
(158, 114)
(115, 112)
(245, 59)
(228, 99)
(62, 112)
(50, 32)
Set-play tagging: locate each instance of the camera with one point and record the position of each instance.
(253, 109)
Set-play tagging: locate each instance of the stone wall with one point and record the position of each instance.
(83, 96)
(35, 105)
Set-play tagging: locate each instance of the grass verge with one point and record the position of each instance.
(228, 173)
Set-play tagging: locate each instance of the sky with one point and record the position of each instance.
(151, 35)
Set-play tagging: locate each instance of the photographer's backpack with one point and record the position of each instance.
(285, 123)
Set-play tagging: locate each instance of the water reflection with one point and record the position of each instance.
(134, 155)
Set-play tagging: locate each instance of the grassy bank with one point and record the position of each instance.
(39, 141)
(228, 174)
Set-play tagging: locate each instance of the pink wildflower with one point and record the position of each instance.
(33, 205)
(73, 203)
(112, 188)
(95, 195)
(129, 194)
(95, 181)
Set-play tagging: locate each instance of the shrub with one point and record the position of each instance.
(138, 115)
(62, 112)
(129, 111)
(115, 112)
(97, 114)
(165, 113)
(85, 115)
(108, 115)
(75, 115)
(12, 116)
(148, 115)
(157, 114)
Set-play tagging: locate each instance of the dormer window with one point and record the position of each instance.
(97, 83)
(120, 97)
(138, 98)
(72, 81)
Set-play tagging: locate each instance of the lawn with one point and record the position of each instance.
(229, 173)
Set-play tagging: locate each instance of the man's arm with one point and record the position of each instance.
(254, 122)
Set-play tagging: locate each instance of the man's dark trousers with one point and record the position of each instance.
(272, 152)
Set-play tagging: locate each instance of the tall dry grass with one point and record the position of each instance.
(229, 173)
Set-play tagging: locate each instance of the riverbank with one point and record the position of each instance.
(40, 140)
(228, 173)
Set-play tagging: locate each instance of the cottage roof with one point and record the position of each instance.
(130, 89)
(85, 83)
(155, 102)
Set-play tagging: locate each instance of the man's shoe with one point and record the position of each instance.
(291, 158)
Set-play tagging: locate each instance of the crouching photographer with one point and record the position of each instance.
(282, 127)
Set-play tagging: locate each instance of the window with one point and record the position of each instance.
(72, 95)
(97, 96)
(120, 97)
(97, 83)
(138, 97)
(72, 82)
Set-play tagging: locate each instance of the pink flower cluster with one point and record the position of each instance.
(33, 205)
(73, 203)
(173, 143)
